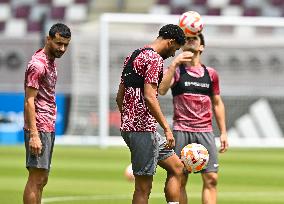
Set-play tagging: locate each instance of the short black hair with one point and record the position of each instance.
(171, 31)
(60, 28)
(202, 40)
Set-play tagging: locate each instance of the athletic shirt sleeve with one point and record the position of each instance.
(148, 64)
(153, 64)
(215, 80)
(34, 74)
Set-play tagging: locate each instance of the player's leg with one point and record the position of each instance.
(210, 173)
(209, 190)
(182, 139)
(144, 158)
(172, 164)
(183, 194)
(36, 181)
(143, 186)
(38, 167)
(174, 168)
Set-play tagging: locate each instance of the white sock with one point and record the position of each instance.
(173, 202)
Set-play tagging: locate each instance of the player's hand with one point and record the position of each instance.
(170, 139)
(183, 58)
(35, 144)
(223, 143)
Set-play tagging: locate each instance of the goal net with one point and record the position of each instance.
(246, 52)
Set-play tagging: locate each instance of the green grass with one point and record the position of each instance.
(92, 175)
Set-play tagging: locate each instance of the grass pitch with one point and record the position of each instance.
(84, 175)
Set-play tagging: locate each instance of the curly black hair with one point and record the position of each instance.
(60, 28)
(171, 31)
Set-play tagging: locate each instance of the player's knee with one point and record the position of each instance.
(181, 168)
(178, 169)
(211, 181)
(38, 178)
(41, 182)
(143, 190)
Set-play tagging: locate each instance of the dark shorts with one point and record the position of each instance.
(207, 139)
(42, 161)
(147, 148)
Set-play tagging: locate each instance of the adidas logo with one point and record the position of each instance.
(257, 128)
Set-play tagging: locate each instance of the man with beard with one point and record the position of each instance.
(40, 110)
(140, 111)
(195, 90)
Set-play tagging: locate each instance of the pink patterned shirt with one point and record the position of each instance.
(41, 74)
(193, 112)
(136, 116)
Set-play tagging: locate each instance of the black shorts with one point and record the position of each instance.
(147, 149)
(42, 161)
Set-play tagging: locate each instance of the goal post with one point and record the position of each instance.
(237, 46)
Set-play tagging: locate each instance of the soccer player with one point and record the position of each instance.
(195, 90)
(40, 110)
(140, 111)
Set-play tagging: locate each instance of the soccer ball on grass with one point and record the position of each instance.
(195, 157)
(191, 23)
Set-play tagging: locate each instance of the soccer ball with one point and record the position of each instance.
(195, 157)
(191, 23)
(128, 173)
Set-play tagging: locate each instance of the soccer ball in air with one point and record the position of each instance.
(195, 157)
(128, 173)
(191, 23)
